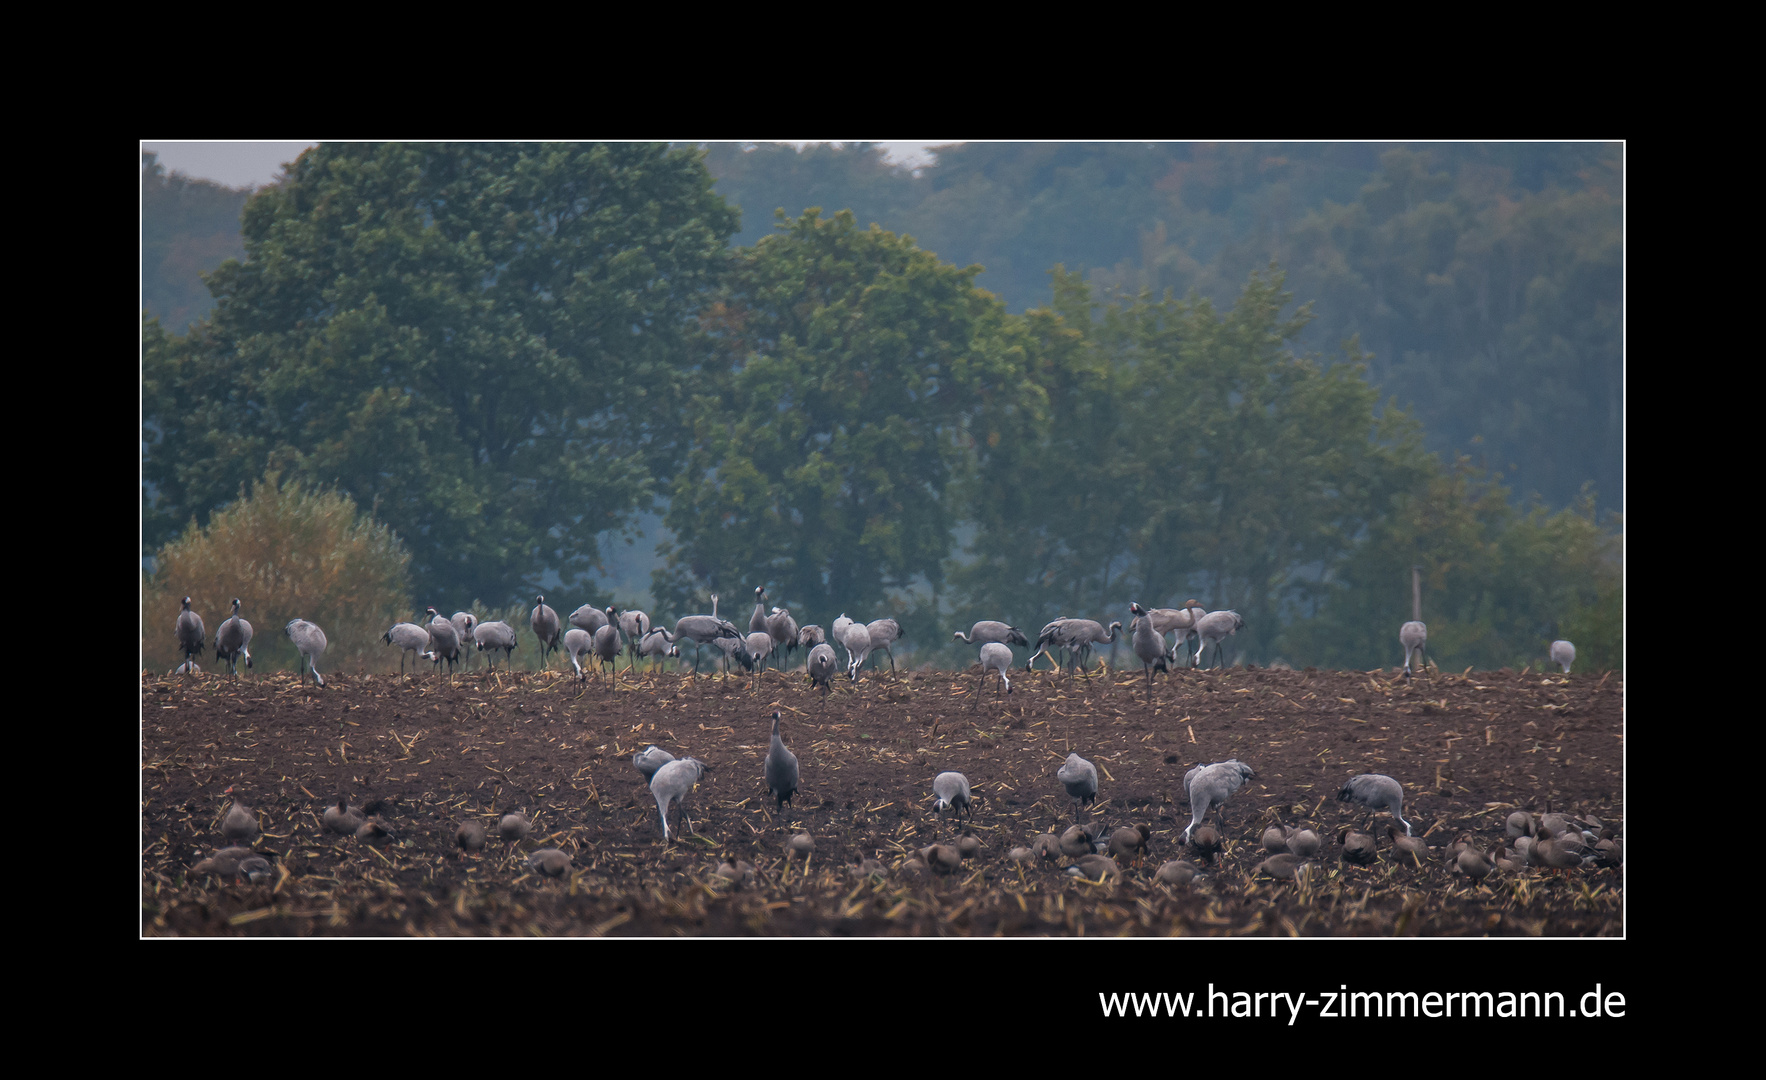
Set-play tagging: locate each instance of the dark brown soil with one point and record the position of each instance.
(431, 753)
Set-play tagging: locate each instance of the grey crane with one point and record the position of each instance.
(239, 825)
(781, 769)
(1413, 636)
(634, 625)
(545, 627)
(757, 621)
(1149, 643)
(821, 667)
(838, 627)
(657, 644)
(190, 632)
(607, 643)
(496, 635)
(760, 646)
(1080, 777)
(672, 783)
(411, 639)
(1182, 621)
(588, 617)
(343, 818)
(995, 657)
(649, 759)
(464, 622)
(952, 793)
(1208, 787)
(1562, 653)
(1216, 627)
(445, 641)
(1376, 792)
(884, 633)
(231, 639)
(1078, 636)
(309, 641)
(577, 642)
(808, 637)
(1048, 636)
(857, 640)
(784, 630)
(988, 631)
(737, 648)
(702, 630)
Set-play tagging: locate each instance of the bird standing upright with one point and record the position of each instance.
(1080, 777)
(545, 627)
(231, 639)
(190, 632)
(781, 769)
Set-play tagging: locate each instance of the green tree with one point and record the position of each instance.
(287, 552)
(488, 343)
(849, 364)
(188, 227)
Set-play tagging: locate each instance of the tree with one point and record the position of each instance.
(486, 342)
(287, 552)
(849, 364)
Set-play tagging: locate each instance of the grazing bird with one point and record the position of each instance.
(736, 872)
(672, 783)
(1562, 653)
(231, 639)
(550, 862)
(1283, 867)
(1520, 823)
(952, 791)
(803, 845)
(657, 644)
(1080, 777)
(996, 657)
(1304, 843)
(1149, 643)
(190, 632)
(607, 643)
(1047, 847)
(1097, 868)
(374, 831)
(235, 862)
(781, 769)
(464, 623)
(1216, 627)
(1358, 847)
(1407, 847)
(884, 633)
(445, 642)
(650, 759)
(1474, 863)
(240, 825)
(1208, 787)
(838, 627)
(633, 625)
(1022, 855)
(1376, 792)
(1078, 636)
(576, 643)
(545, 627)
(735, 648)
(513, 827)
(857, 640)
(343, 818)
(1175, 872)
(589, 618)
(942, 859)
(969, 844)
(702, 630)
(469, 836)
(821, 667)
(309, 641)
(188, 667)
(1413, 636)
(1131, 842)
(1081, 839)
(810, 636)
(1206, 841)
(1048, 636)
(760, 646)
(412, 640)
(992, 633)
(495, 635)
(1182, 621)
(1274, 839)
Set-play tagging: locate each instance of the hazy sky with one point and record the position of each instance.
(237, 164)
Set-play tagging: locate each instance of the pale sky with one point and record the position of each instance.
(237, 164)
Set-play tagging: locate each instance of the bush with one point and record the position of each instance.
(287, 552)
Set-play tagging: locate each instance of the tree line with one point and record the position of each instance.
(501, 352)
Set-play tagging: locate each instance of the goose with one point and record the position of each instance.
(952, 792)
(309, 641)
(469, 836)
(550, 862)
(1175, 872)
(1149, 643)
(1274, 840)
(781, 769)
(650, 759)
(1208, 787)
(1097, 868)
(496, 635)
(857, 640)
(992, 633)
(884, 633)
(995, 657)
(412, 640)
(464, 622)
(190, 632)
(234, 862)
(943, 859)
(343, 818)
(1413, 636)
(1407, 847)
(1080, 840)
(1283, 867)
(240, 825)
(913, 869)
(607, 643)
(969, 844)
(1046, 847)
(803, 845)
(1216, 627)
(1206, 841)
(1131, 842)
(445, 641)
(736, 873)
(577, 643)
(1473, 863)
(231, 639)
(1304, 843)
(374, 831)
(1562, 653)
(1358, 847)
(1022, 856)
(1376, 792)
(704, 629)
(1520, 823)
(513, 827)
(821, 667)
(1080, 777)
(672, 783)
(545, 627)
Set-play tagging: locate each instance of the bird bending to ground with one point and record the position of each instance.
(1216, 627)
(1080, 777)
(577, 643)
(1208, 787)
(995, 657)
(672, 783)
(1563, 654)
(650, 759)
(952, 791)
(822, 665)
(1376, 792)
(445, 641)
(988, 632)
(231, 639)
(309, 641)
(343, 818)
(240, 825)
(411, 639)
(1414, 636)
(495, 635)
(884, 633)
(463, 623)
(857, 640)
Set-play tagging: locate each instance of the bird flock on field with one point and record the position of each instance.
(596, 636)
